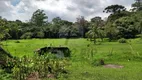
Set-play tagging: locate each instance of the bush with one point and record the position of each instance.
(4, 75)
(17, 41)
(99, 62)
(122, 40)
(42, 65)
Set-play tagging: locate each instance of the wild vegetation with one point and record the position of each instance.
(119, 24)
(100, 49)
(84, 63)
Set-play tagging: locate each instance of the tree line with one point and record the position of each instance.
(119, 24)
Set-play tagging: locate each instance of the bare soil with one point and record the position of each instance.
(113, 66)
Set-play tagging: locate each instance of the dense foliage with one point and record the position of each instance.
(119, 24)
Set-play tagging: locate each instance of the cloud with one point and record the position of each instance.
(66, 9)
(5, 8)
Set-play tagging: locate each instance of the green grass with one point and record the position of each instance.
(83, 58)
(81, 71)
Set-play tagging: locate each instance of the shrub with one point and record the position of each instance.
(42, 65)
(99, 62)
(122, 40)
(17, 41)
(4, 75)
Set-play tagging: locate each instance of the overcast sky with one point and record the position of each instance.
(66, 9)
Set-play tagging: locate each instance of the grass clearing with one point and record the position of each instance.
(83, 58)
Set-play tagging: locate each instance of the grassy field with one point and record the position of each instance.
(85, 55)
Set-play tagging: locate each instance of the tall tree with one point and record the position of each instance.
(38, 22)
(114, 9)
(55, 26)
(39, 18)
(111, 31)
(125, 27)
(137, 6)
(98, 21)
(82, 25)
(56, 20)
(96, 29)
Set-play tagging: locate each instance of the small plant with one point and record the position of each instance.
(122, 40)
(102, 62)
(17, 41)
(99, 62)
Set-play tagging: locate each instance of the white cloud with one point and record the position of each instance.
(66, 9)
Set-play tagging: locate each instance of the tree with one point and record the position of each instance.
(3, 29)
(14, 29)
(111, 31)
(39, 18)
(96, 29)
(27, 35)
(98, 21)
(56, 20)
(137, 6)
(82, 25)
(37, 23)
(55, 26)
(137, 19)
(115, 16)
(92, 34)
(66, 29)
(100, 26)
(60, 28)
(126, 27)
(114, 9)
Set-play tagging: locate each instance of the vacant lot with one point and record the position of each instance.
(86, 55)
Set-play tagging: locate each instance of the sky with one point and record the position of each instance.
(66, 9)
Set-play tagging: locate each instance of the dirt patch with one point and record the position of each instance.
(51, 76)
(113, 66)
